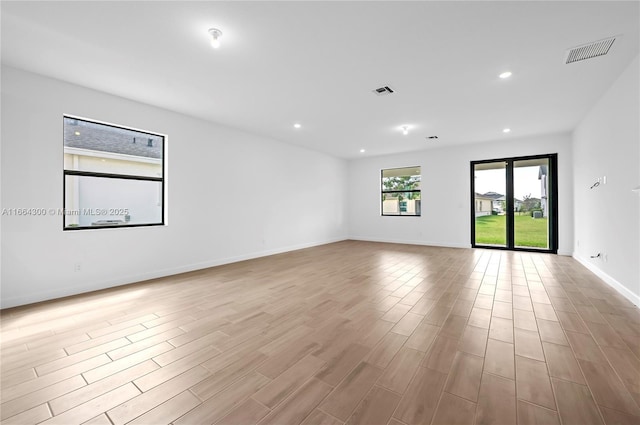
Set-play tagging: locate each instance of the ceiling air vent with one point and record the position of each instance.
(589, 50)
(432, 137)
(384, 90)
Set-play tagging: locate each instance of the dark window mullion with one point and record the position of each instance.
(111, 176)
(509, 207)
(400, 191)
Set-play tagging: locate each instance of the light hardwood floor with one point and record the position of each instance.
(346, 333)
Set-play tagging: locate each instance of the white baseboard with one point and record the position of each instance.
(140, 277)
(409, 242)
(623, 290)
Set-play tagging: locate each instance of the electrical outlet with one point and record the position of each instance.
(604, 180)
(77, 267)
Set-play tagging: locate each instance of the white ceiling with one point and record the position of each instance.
(317, 63)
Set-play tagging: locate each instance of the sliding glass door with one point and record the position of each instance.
(514, 203)
(531, 210)
(490, 203)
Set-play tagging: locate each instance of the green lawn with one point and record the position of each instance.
(491, 230)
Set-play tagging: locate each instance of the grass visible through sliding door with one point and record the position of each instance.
(532, 233)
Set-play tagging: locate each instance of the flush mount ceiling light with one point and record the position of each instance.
(362, 151)
(505, 74)
(405, 129)
(506, 130)
(297, 125)
(215, 35)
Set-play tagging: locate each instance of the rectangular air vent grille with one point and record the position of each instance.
(384, 90)
(590, 50)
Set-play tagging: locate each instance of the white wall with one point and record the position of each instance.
(446, 207)
(607, 143)
(228, 193)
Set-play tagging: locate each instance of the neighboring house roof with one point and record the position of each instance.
(479, 196)
(99, 137)
(504, 198)
(493, 195)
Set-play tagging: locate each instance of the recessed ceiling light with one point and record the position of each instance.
(297, 125)
(215, 35)
(505, 74)
(405, 129)
(77, 133)
(362, 150)
(506, 130)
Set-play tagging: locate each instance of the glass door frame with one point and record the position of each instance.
(552, 203)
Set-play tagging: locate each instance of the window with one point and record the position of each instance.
(401, 191)
(113, 176)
